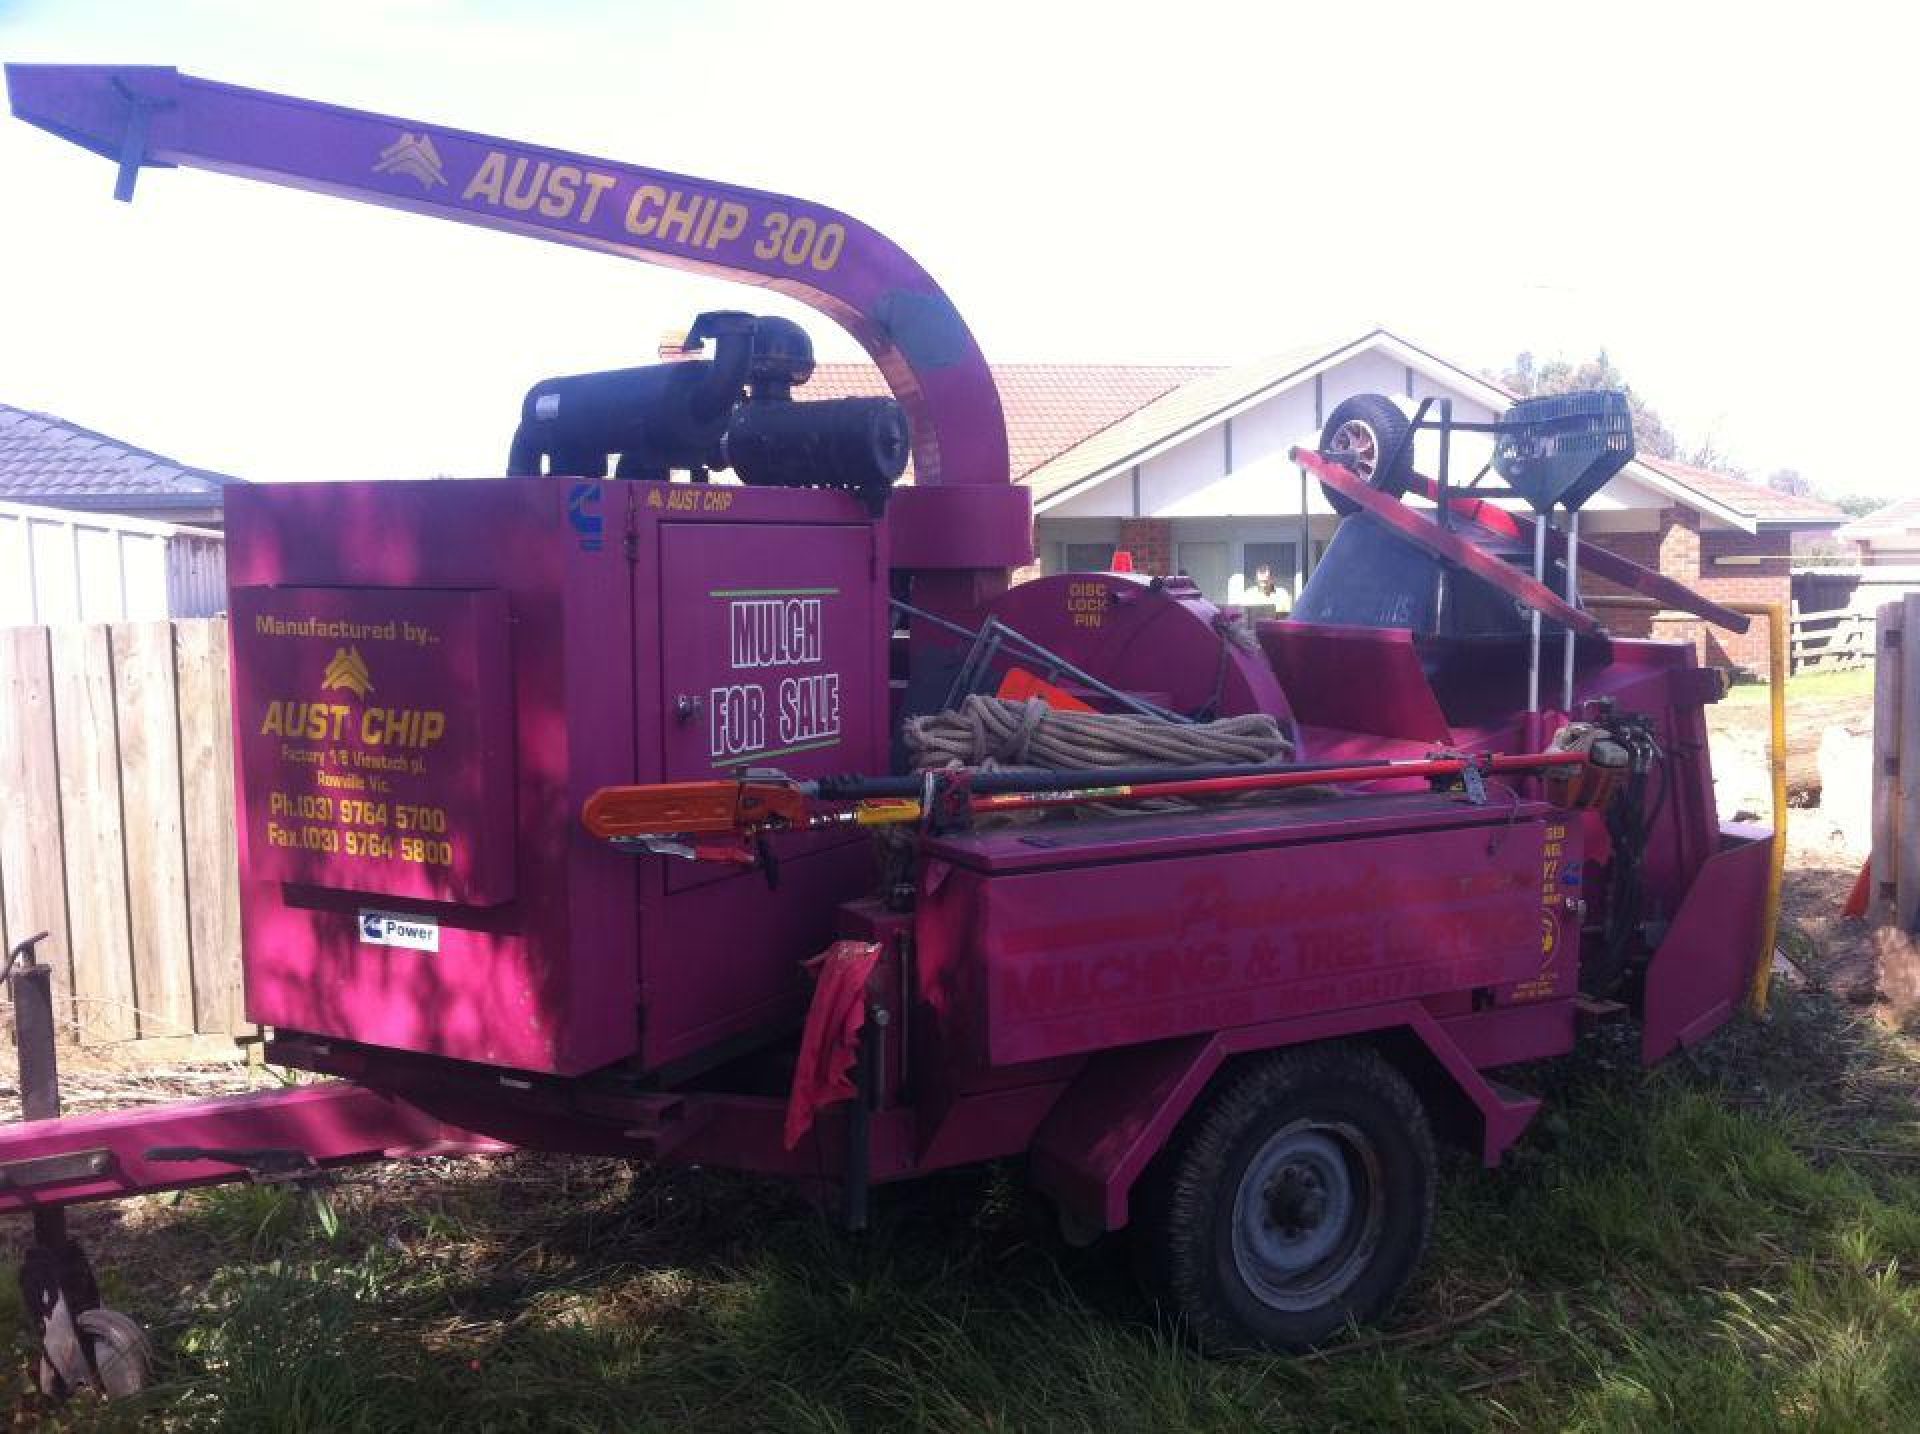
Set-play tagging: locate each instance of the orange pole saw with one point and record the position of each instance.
(735, 816)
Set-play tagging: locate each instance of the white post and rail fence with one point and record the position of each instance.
(1827, 641)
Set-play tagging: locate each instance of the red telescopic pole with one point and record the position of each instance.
(1271, 781)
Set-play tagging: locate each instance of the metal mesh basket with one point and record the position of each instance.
(1562, 448)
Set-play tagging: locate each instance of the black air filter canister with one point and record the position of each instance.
(858, 443)
(1562, 448)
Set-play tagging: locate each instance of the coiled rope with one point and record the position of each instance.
(993, 732)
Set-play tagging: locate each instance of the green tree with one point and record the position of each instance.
(1529, 379)
(1858, 505)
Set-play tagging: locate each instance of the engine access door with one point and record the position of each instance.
(772, 640)
(770, 646)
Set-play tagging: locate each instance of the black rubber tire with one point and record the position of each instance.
(1377, 421)
(122, 1353)
(1187, 1209)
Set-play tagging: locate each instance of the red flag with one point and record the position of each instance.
(830, 1044)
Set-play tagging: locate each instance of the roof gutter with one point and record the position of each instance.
(120, 502)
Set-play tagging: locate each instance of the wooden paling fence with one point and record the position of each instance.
(1895, 871)
(116, 823)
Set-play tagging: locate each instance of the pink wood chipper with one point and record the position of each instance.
(553, 787)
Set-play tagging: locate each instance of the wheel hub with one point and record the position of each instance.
(1307, 1214)
(1357, 442)
(1297, 1201)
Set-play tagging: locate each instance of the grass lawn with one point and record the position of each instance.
(1721, 1244)
(1831, 686)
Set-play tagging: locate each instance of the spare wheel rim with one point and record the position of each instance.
(1356, 439)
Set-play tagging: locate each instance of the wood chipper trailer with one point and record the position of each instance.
(553, 787)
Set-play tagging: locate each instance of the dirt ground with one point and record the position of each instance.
(1829, 834)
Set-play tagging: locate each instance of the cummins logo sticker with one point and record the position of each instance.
(389, 928)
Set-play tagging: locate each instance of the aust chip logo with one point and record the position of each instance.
(348, 669)
(414, 156)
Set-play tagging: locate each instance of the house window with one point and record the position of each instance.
(1277, 559)
(1086, 557)
(1208, 565)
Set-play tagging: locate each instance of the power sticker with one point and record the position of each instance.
(391, 928)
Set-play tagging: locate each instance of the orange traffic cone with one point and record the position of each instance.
(1857, 899)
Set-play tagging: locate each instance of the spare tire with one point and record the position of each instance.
(1369, 435)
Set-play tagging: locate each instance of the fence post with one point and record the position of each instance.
(1906, 911)
(1888, 656)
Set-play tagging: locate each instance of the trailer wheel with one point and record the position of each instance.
(1366, 431)
(122, 1354)
(118, 1357)
(1297, 1200)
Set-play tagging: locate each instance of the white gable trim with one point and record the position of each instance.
(1438, 371)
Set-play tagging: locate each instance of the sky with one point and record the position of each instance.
(1723, 197)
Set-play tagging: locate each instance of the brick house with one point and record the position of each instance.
(1728, 539)
(1186, 468)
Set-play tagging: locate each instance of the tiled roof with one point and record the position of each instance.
(1049, 407)
(1898, 517)
(1198, 403)
(1173, 412)
(44, 459)
(1753, 500)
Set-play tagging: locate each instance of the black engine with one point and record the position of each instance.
(734, 411)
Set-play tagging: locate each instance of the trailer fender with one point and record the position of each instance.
(1125, 1104)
